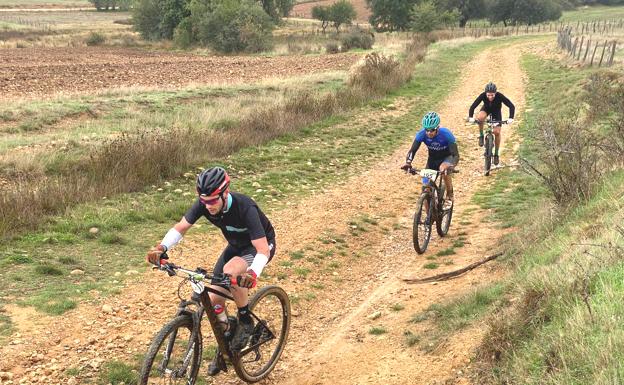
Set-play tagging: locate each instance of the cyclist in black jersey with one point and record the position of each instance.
(251, 244)
(492, 105)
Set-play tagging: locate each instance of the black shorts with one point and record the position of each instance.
(434, 164)
(248, 254)
(496, 115)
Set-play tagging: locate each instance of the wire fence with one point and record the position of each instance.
(583, 49)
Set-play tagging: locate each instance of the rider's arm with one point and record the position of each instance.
(509, 104)
(454, 153)
(474, 105)
(175, 234)
(258, 240)
(262, 255)
(415, 146)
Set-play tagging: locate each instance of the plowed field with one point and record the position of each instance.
(48, 71)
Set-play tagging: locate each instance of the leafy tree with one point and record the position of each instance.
(467, 9)
(321, 13)
(524, 11)
(277, 8)
(425, 17)
(341, 13)
(390, 15)
(236, 26)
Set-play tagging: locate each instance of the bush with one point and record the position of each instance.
(332, 47)
(357, 39)
(236, 26)
(183, 34)
(157, 19)
(94, 39)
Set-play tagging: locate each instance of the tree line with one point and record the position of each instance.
(426, 15)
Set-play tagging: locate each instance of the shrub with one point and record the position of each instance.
(357, 39)
(95, 38)
(183, 34)
(237, 27)
(332, 47)
(157, 19)
(379, 73)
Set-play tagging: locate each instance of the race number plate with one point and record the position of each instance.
(197, 285)
(427, 173)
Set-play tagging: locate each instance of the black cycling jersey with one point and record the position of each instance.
(241, 221)
(494, 107)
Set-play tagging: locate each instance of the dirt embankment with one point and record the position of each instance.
(71, 70)
(329, 342)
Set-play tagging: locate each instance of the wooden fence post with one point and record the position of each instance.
(591, 63)
(573, 52)
(587, 50)
(604, 48)
(612, 53)
(580, 48)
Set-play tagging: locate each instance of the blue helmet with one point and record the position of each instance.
(431, 121)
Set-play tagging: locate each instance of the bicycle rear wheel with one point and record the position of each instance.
(443, 221)
(489, 142)
(421, 230)
(174, 355)
(272, 307)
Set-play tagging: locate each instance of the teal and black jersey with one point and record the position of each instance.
(440, 146)
(241, 221)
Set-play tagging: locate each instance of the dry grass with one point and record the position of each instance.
(131, 161)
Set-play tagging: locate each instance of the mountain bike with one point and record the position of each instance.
(488, 142)
(175, 354)
(431, 208)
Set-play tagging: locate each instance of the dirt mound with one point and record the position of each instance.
(304, 10)
(71, 70)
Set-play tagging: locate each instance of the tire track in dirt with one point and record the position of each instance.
(329, 340)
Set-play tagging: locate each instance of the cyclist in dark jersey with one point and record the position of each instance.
(251, 244)
(492, 105)
(442, 146)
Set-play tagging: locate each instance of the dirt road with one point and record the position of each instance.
(329, 341)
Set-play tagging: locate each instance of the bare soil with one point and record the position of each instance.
(69, 70)
(304, 10)
(329, 340)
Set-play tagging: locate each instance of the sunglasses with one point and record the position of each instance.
(431, 131)
(209, 201)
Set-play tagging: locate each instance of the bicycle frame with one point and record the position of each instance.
(205, 306)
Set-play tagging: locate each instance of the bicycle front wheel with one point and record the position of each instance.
(489, 143)
(445, 214)
(421, 231)
(272, 307)
(174, 355)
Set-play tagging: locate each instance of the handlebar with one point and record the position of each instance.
(415, 171)
(492, 122)
(196, 275)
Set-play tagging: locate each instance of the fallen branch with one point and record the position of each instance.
(452, 274)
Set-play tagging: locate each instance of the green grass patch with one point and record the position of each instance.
(377, 330)
(397, 307)
(445, 252)
(431, 265)
(117, 372)
(296, 255)
(411, 339)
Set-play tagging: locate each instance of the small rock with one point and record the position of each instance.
(256, 184)
(117, 274)
(72, 381)
(131, 272)
(294, 313)
(177, 191)
(107, 309)
(94, 230)
(6, 376)
(76, 272)
(375, 315)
